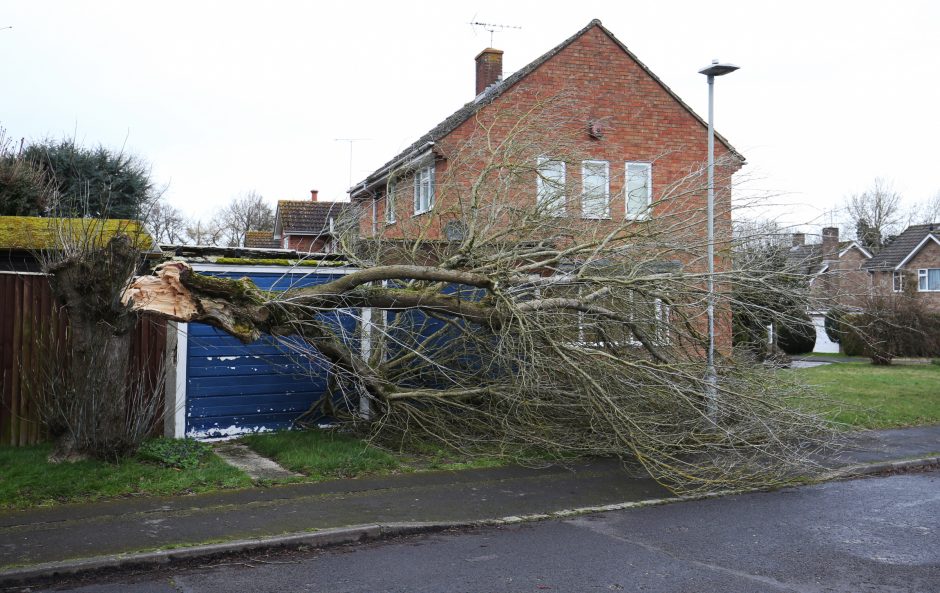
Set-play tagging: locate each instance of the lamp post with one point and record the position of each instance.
(711, 380)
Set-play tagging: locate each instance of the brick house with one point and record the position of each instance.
(910, 263)
(836, 277)
(302, 225)
(636, 137)
(629, 141)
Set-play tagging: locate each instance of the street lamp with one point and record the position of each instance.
(711, 380)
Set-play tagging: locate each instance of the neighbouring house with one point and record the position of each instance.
(633, 137)
(836, 277)
(303, 225)
(910, 261)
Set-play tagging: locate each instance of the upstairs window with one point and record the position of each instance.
(928, 280)
(639, 190)
(390, 204)
(424, 189)
(897, 281)
(595, 195)
(550, 186)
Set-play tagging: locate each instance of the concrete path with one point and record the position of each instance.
(245, 459)
(107, 529)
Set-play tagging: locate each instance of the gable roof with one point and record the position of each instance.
(808, 259)
(305, 217)
(452, 122)
(903, 247)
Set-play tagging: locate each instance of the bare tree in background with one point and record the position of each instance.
(876, 214)
(531, 330)
(247, 212)
(166, 224)
(202, 232)
(927, 212)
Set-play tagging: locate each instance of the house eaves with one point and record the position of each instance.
(856, 246)
(470, 109)
(914, 251)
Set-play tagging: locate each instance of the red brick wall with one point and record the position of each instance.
(845, 284)
(307, 243)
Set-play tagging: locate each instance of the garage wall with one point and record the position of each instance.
(232, 388)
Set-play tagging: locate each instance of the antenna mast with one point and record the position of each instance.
(492, 28)
(351, 142)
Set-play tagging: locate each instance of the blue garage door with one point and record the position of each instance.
(234, 388)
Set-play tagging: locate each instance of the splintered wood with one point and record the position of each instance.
(162, 293)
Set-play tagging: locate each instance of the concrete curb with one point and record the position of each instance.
(372, 532)
(867, 469)
(315, 539)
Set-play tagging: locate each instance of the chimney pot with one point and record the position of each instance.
(313, 195)
(489, 68)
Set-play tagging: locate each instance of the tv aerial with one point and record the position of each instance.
(492, 28)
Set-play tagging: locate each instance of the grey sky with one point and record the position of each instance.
(225, 97)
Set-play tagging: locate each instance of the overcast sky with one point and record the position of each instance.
(226, 97)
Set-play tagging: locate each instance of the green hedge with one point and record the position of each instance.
(885, 334)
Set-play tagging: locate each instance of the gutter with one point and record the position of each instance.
(404, 162)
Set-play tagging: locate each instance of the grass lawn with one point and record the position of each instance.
(322, 454)
(879, 396)
(27, 479)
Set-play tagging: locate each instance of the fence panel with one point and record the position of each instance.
(30, 322)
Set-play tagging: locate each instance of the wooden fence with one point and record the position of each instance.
(30, 320)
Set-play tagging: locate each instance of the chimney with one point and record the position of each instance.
(489, 68)
(830, 243)
(313, 195)
(799, 239)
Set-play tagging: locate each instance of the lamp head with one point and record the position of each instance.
(716, 69)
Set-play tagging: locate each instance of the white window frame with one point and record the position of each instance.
(645, 212)
(897, 281)
(424, 190)
(390, 203)
(584, 175)
(923, 280)
(544, 183)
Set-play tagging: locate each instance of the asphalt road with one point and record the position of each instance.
(876, 534)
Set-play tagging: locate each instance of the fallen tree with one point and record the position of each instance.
(527, 333)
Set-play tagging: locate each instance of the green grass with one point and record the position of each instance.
(324, 454)
(321, 454)
(870, 396)
(27, 479)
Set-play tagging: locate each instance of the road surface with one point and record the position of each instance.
(875, 534)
